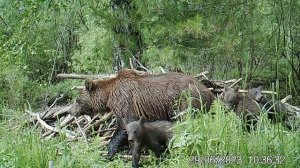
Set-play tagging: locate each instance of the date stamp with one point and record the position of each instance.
(216, 160)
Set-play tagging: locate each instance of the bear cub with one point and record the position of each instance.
(153, 135)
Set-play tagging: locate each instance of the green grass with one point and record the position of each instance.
(205, 135)
(222, 135)
(21, 146)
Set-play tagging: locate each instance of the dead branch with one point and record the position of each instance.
(97, 123)
(47, 113)
(293, 109)
(284, 100)
(104, 143)
(47, 133)
(142, 66)
(60, 96)
(50, 136)
(88, 118)
(128, 157)
(54, 112)
(103, 138)
(235, 82)
(68, 133)
(67, 120)
(131, 64)
(80, 129)
(202, 74)
(263, 91)
(62, 111)
(80, 120)
(78, 76)
(227, 81)
(94, 118)
(112, 122)
(162, 70)
(78, 88)
(105, 130)
(50, 164)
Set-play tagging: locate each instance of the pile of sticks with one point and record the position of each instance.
(56, 120)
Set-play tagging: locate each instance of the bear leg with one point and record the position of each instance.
(118, 140)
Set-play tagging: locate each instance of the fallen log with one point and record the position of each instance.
(78, 76)
(263, 91)
(99, 76)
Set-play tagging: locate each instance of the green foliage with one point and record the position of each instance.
(12, 84)
(21, 146)
(256, 40)
(95, 47)
(222, 135)
(230, 39)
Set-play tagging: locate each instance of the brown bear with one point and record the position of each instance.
(131, 95)
(153, 135)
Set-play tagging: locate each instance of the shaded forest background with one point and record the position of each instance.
(258, 40)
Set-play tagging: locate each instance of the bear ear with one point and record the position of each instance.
(124, 120)
(226, 88)
(259, 88)
(142, 120)
(248, 86)
(90, 85)
(236, 88)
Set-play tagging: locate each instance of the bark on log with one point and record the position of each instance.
(78, 76)
(263, 91)
(67, 120)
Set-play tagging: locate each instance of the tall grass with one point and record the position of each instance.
(218, 133)
(21, 146)
(222, 135)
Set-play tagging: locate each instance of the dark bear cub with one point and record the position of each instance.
(153, 135)
(231, 98)
(249, 107)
